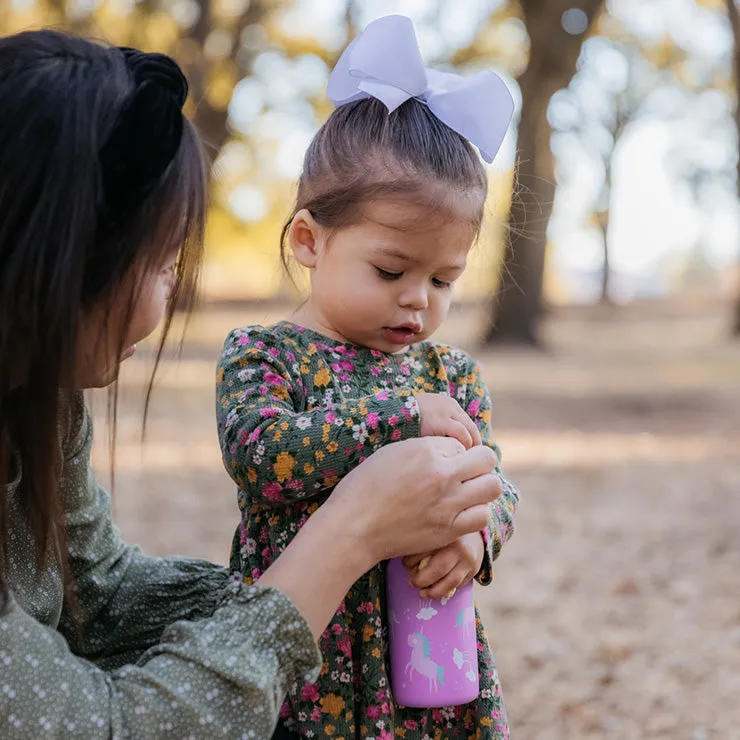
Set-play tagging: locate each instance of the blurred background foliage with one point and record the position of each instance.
(623, 160)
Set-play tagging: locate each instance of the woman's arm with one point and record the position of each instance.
(124, 598)
(228, 674)
(278, 454)
(220, 677)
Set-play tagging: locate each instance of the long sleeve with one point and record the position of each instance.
(276, 448)
(222, 677)
(476, 399)
(124, 598)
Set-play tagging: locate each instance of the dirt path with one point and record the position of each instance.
(615, 611)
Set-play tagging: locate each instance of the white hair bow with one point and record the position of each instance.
(384, 62)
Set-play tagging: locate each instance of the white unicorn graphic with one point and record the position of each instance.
(466, 619)
(421, 661)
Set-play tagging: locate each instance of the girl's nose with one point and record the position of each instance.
(414, 297)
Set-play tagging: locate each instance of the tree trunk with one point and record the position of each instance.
(734, 16)
(210, 121)
(517, 303)
(517, 307)
(605, 297)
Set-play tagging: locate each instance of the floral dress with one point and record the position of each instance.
(296, 412)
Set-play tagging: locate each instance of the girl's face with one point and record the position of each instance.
(110, 332)
(385, 282)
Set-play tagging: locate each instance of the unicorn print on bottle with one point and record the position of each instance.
(421, 661)
(433, 644)
(466, 620)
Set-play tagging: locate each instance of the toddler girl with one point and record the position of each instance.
(389, 203)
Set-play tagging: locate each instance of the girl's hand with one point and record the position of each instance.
(442, 416)
(440, 574)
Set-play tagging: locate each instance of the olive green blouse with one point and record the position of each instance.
(153, 647)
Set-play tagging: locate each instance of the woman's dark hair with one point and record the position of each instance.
(100, 176)
(362, 153)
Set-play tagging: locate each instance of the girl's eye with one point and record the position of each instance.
(385, 275)
(437, 283)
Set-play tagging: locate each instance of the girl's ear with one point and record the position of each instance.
(305, 238)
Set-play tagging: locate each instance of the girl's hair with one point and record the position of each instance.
(100, 177)
(362, 153)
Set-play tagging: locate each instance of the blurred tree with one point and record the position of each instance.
(613, 89)
(734, 15)
(556, 30)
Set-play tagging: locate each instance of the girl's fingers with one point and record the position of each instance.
(412, 562)
(459, 431)
(445, 588)
(471, 428)
(440, 564)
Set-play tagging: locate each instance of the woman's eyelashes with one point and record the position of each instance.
(389, 275)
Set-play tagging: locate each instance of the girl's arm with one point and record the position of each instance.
(278, 454)
(477, 402)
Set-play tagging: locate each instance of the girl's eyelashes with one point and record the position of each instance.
(386, 275)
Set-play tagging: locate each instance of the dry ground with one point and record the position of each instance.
(616, 608)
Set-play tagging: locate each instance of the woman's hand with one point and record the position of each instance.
(412, 496)
(440, 574)
(442, 416)
(416, 496)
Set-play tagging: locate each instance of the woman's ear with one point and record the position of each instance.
(305, 238)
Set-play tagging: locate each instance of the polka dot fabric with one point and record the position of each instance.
(157, 647)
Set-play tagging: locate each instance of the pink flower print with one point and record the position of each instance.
(316, 714)
(396, 435)
(259, 345)
(274, 379)
(474, 408)
(382, 395)
(272, 491)
(373, 711)
(372, 420)
(256, 573)
(345, 645)
(393, 420)
(274, 351)
(375, 353)
(375, 370)
(268, 414)
(405, 370)
(242, 340)
(285, 710)
(337, 629)
(380, 696)
(411, 724)
(330, 417)
(437, 716)
(310, 692)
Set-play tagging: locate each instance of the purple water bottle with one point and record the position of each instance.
(433, 647)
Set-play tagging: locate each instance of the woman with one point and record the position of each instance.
(102, 200)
